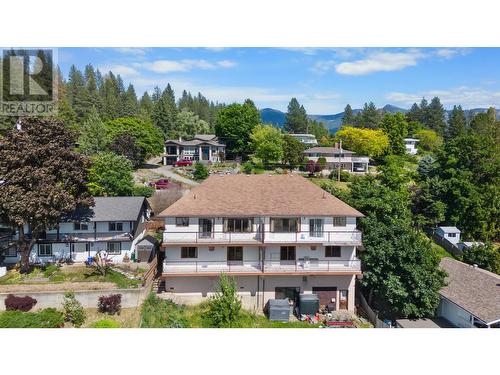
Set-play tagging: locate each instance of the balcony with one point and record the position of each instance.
(86, 237)
(300, 267)
(347, 238)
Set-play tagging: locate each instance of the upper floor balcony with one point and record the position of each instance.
(337, 237)
(86, 237)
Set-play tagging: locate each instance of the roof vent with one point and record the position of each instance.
(475, 266)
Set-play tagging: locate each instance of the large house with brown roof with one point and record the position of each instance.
(278, 235)
(471, 297)
(204, 148)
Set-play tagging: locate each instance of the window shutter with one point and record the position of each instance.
(225, 224)
(272, 225)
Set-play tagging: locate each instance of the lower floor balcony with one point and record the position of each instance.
(300, 266)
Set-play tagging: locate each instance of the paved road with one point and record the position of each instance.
(153, 166)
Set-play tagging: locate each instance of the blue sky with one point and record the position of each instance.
(324, 80)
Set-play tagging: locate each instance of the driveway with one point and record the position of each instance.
(154, 170)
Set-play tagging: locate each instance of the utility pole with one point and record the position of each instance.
(340, 156)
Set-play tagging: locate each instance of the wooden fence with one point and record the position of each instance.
(367, 311)
(151, 273)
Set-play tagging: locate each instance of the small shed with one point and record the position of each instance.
(146, 248)
(452, 234)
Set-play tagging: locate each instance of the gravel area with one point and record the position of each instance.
(53, 287)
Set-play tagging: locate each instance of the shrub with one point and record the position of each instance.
(105, 323)
(224, 308)
(110, 304)
(73, 310)
(47, 318)
(50, 270)
(13, 303)
(160, 313)
(143, 191)
(485, 256)
(247, 167)
(200, 171)
(322, 162)
(344, 175)
(311, 166)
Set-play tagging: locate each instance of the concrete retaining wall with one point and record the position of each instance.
(88, 298)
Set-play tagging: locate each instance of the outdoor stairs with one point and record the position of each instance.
(158, 285)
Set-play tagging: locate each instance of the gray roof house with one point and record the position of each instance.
(471, 297)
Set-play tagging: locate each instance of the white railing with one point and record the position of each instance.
(350, 238)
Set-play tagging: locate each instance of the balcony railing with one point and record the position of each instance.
(338, 237)
(87, 237)
(259, 266)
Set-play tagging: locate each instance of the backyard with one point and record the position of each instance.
(70, 277)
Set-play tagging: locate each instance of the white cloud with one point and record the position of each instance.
(131, 51)
(324, 66)
(122, 70)
(169, 66)
(380, 62)
(448, 53)
(216, 49)
(468, 97)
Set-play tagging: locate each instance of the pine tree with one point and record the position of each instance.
(456, 123)
(130, 105)
(296, 118)
(370, 116)
(110, 98)
(146, 107)
(424, 115)
(414, 114)
(92, 88)
(94, 135)
(436, 116)
(77, 93)
(348, 118)
(165, 112)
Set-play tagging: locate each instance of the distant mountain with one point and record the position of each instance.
(333, 122)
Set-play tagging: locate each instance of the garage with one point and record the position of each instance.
(325, 294)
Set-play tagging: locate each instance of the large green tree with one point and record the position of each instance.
(189, 124)
(165, 112)
(296, 120)
(370, 117)
(234, 125)
(436, 116)
(396, 128)
(267, 143)
(348, 118)
(293, 151)
(110, 175)
(42, 180)
(457, 123)
(364, 142)
(93, 138)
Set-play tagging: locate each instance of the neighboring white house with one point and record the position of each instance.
(116, 225)
(471, 297)
(469, 244)
(278, 235)
(307, 139)
(203, 148)
(335, 156)
(411, 145)
(452, 234)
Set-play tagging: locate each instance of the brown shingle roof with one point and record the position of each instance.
(259, 195)
(474, 289)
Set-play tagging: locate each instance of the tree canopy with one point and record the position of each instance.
(110, 175)
(368, 142)
(267, 142)
(296, 120)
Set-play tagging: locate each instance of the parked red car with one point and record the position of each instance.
(161, 184)
(183, 163)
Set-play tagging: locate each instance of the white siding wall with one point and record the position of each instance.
(455, 314)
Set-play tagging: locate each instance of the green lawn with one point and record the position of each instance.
(440, 251)
(75, 273)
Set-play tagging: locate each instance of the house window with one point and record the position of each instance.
(235, 253)
(339, 221)
(80, 226)
(114, 247)
(45, 249)
(316, 227)
(115, 226)
(452, 234)
(205, 227)
(332, 251)
(189, 252)
(10, 252)
(284, 225)
(182, 222)
(238, 225)
(287, 253)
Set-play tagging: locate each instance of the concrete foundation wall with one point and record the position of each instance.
(254, 291)
(88, 298)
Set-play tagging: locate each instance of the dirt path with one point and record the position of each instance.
(153, 170)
